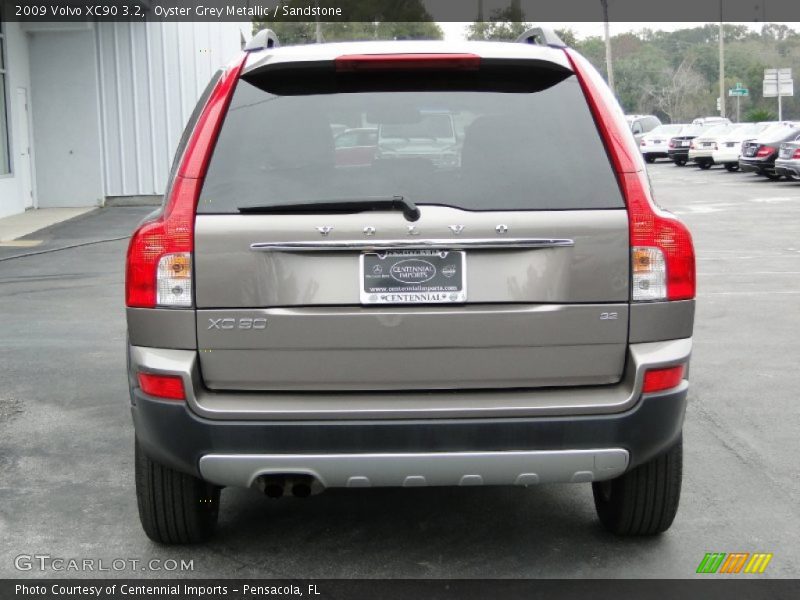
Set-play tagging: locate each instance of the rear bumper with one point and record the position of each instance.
(476, 437)
(756, 166)
(784, 166)
(696, 155)
(518, 451)
(678, 153)
(657, 151)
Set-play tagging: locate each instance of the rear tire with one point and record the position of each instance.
(649, 159)
(772, 176)
(174, 508)
(732, 167)
(705, 165)
(643, 501)
(679, 162)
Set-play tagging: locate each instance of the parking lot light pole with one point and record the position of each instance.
(609, 68)
(721, 64)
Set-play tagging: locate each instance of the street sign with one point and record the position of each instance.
(738, 91)
(778, 82)
(775, 74)
(771, 88)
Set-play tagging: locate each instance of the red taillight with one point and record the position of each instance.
(765, 151)
(407, 62)
(672, 143)
(650, 226)
(162, 386)
(172, 232)
(656, 380)
(796, 153)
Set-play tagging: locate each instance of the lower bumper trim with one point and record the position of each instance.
(421, 469)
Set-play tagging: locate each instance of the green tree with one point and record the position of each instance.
(504, 24)
(366, 20)
(757, 115)
(567, 36)
(302, 32)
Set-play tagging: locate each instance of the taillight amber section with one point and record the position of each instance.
(649, 277)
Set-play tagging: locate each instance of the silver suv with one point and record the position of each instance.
(297, 323)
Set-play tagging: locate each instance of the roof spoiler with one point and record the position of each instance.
(266, 38)
(541, 36)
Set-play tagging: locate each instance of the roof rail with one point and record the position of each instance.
(265, 38)
(541, 36)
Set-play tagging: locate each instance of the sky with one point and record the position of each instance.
(456, 31)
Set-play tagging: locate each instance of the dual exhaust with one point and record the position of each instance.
(299, 486)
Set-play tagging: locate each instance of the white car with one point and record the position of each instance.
(654, 144)
(642, 124)
(729, 146)
(702, 147)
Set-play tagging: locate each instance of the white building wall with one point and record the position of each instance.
(151, 75)
(12, 200)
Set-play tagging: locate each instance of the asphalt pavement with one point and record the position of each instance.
(66, 439)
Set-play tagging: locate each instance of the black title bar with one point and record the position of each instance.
(711, 588)
(647, 12)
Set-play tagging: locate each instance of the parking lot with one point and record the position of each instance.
(66, 440)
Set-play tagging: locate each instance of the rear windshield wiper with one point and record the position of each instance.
(339, 205)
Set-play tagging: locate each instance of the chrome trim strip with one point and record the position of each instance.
(526, 467)
(432, 244)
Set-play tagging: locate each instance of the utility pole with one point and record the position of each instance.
(318, 25)
(721, 64)
(609, 68)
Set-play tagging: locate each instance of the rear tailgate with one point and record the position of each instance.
(527, 195)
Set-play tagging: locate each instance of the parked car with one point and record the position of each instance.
(728, 147)
(678, 147)
(702, 147)
(642, 124)
(759, 155)
(655, 144)
(356, 147)
(788, 161)
(296, 325)
(430, 137)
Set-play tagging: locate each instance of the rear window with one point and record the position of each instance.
(667, 130)
(779, 134)
(487, 143)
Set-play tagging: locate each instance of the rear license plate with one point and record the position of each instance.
(658, 141)
(730, 144)
(685, 143)
(413, 277)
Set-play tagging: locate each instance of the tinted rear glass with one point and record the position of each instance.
(666, 130)
(490, 146)
(779, 134)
